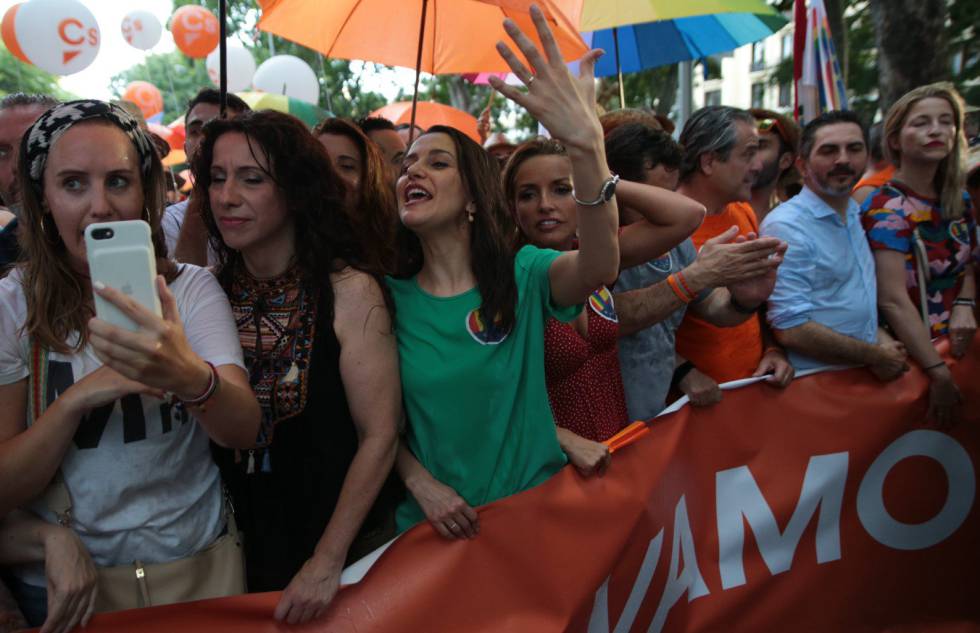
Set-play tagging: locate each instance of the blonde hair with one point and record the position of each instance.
(951, 174)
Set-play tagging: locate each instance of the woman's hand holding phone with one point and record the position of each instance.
(158, 355)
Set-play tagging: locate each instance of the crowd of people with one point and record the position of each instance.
(359, 334)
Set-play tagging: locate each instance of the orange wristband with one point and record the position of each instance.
(680, 277)
(678, 291)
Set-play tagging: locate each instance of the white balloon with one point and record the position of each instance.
(288, 75)
(141, 29)
(240, 67)
(59, 36)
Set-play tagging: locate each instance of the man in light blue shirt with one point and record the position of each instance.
(824, 306)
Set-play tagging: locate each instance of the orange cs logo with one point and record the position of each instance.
(73, 33)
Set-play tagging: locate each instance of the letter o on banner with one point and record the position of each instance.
(960, 477)
(195, 30)
(141, 29)
(58, 36)
(241, 67)
(288, 75)
(146, 96)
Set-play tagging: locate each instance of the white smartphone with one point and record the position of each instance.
(120, 255)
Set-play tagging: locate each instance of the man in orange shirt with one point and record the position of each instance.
(722, 163)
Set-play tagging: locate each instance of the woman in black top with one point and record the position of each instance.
(318, 344)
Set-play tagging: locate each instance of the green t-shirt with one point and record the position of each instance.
(475, 397)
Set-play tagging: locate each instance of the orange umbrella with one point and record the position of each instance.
(454, 36)
(458, 36)
(429, 113)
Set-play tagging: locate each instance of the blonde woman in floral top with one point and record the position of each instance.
(923, 234)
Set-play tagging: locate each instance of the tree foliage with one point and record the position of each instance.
(340, 86)
(177, 76)
(16, 76)
(855, 29)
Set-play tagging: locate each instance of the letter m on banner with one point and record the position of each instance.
(740, 501)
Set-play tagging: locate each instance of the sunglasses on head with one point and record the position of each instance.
(766, 125)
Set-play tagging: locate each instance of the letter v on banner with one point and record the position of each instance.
(599, 621)
(689, 580)
(738, 496)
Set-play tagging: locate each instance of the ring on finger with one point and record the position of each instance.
(530, 80)
(454, 526)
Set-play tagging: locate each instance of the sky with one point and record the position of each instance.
(115, 55)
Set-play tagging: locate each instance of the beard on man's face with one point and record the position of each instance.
(767, 175)
(845, 187)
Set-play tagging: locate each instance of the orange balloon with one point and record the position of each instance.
(10, 35)
(195, 30)
(146, 96)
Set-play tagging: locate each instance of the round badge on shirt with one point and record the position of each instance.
(601, 302)
(482, 331)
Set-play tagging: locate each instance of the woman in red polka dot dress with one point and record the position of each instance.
(581, 360)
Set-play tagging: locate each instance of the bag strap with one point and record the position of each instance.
(37, 382)
(56, 497)
(921, 257)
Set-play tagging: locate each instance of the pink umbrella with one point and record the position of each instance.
(483, 79)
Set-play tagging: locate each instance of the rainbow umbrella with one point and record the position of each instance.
(640, 46)
(641, 34)
(595, 15)
(305, 112)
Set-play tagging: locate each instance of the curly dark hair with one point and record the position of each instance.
(315, 196)
(375, 219)
(491, 252)
(634, 147)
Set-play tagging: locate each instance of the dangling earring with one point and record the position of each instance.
(52, 236)
(469, 212)
(146, 213)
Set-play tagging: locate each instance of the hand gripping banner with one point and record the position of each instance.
(827, 506)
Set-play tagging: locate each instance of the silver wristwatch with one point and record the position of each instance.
(606, 193)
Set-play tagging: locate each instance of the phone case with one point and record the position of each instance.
(125, 261)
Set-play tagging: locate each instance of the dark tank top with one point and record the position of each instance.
(284, 504)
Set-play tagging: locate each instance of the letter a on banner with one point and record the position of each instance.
(738, 495)
(689, 580)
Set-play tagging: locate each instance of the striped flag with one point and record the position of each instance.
(816, 71)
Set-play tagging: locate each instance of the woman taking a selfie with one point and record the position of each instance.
(140, 483)
(470, 314)
(316, 333)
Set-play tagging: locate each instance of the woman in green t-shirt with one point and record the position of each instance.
(470, 314)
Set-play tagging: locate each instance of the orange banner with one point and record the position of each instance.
(828, 506)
